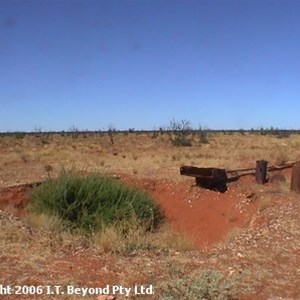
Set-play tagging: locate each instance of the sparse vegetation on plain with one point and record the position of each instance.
(180, 133)
(249, 228)
(208, 285)
(111, 133)
(203, 135)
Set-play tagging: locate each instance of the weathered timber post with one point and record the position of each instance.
(295, 182)
(261, 171)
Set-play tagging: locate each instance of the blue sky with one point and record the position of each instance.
(139, 64)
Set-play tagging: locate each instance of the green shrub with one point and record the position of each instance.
(208, 285)
(90, 203)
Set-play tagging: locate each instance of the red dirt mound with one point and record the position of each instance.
(203, 215)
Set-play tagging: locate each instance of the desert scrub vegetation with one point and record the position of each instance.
(89, 204)
(203, 135)
(180, 133)
(204, 285)
(111, 133)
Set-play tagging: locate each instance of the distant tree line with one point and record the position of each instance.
(181, 132)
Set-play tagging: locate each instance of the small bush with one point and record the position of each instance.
(279, 133)
(111, 133)
(19, 135)
(280, 157)
(208, 285)
(203, 135)
(90, 203)
(154, 134)
(181, 141)
(180, 133)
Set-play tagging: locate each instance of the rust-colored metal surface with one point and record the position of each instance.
(210, 178)
(216, 178)
(295, 182)
(261, 171)
(203, 172)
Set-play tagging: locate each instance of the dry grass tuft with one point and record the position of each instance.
(13, 230)
(280, 158)
(112, 239)
(108, 240)
(233, 233)
(264, 203)
(167, 238)
(45, 222)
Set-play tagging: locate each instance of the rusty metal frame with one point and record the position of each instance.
(231, 175)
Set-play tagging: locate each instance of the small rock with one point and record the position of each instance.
(249, 195)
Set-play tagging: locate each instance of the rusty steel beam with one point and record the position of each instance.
(239, 170)
(203, 172)
(269, 169)
(295, 181)
(285, 166)
(209, 178)
(216, 178)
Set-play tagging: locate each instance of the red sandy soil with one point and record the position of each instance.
(204, 216)
(268, 248)
(15, 198)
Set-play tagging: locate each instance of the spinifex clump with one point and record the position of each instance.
(93, 202)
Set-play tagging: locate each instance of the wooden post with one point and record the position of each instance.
(295, 182)
(261, 171)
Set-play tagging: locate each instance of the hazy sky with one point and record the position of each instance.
(91, 64)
